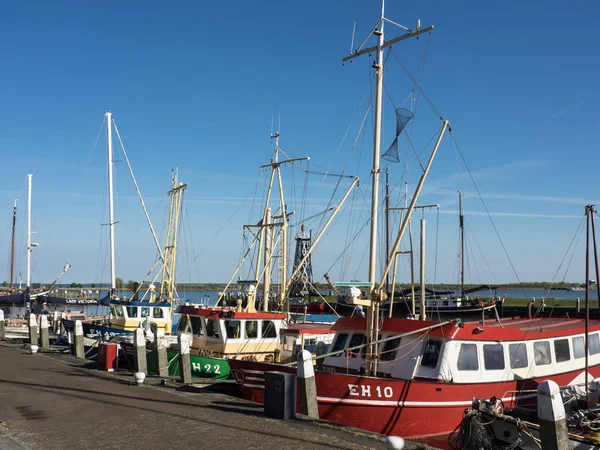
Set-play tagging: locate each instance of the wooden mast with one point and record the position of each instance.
(12, 246)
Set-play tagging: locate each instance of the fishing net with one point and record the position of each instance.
(472, 434)
(403, 116)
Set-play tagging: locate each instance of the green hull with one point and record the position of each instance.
(202, 366)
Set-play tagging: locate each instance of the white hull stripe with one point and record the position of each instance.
(258, 386)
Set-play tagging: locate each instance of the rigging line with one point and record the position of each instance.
(91, 154)
(472, 235)
(417, 85)
(484, 205)
(573, 254)
(138, 192)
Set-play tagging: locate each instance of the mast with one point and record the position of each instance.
(371, 348)
(595, 256)
(111, 219)
(387, 228)
(12, 246)
(423, 312)
(268, 263)
(462, 246)
(588, 213)
(29, 243)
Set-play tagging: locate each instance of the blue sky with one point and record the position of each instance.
(195, 86)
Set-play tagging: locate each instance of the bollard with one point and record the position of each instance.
(139, 342)
(79, 346)
(55, 322)
(185, 368)
(44, 332)
(162, 359)
(307, 387)
(61, 327)
(33, 330)
(2, 332)
(394, 442)
(554, 434)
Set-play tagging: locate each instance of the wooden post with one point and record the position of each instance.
(139, 342)
(61, 327)
(55, 322)
(2, 332)
(162, 359)
(307, 387)
(44, 332)
(33, 330)
(551, 413)
(185, 368)
(79, 347)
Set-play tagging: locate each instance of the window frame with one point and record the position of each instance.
(467, 345)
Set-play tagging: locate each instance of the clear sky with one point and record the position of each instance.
(194, 85)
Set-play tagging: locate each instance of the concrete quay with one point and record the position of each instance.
(56, 401)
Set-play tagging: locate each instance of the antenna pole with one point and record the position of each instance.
(12, 246)
(29, 244)
(111, 219)
(462, 246)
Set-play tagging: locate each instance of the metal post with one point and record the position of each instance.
(423, 312)
(12, 246)
(29, 245)
(268, 262)
(595, 254)
(587, 298)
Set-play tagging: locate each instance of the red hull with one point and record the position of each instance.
(412, 409)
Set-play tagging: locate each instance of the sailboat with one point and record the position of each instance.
(126, 315)
(413, 378)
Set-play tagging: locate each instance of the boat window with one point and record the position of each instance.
(355, 340)
(158, 313)
(431, 353)
(251, 329)
(132, 311)
(233, 328)
(289, 344)
(183, 324)
(340, 344)
(196, 323)
(269, 330)
(145, 311)
(119, 311)
(561, 350)
(578, 347)
(212, 328)
(541, 353)
(518, 355)
(467, 357)
(493, 357)
(594, 344)
(390, 348)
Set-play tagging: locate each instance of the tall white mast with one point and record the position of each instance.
(111, 219)
(29, 244)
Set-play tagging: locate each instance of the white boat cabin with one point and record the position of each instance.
(129, 316)
(467, 352)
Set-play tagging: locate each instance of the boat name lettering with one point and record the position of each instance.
(208, 368)
(365, 390)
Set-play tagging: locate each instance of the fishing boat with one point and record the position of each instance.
(413, 378)
(146, 306)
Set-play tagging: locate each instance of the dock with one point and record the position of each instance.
(53, 401)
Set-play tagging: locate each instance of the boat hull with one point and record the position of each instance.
(413, 409)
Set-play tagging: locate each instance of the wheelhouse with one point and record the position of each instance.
(129, 316)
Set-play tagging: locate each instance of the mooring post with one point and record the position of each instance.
(79, 346)
(307, 387)
(33, 330)
(61, 327)
(162, 359)
(139, 342)
(44, 332)
(55, 322)
(185, 368)
(2, 332)
(554, 434)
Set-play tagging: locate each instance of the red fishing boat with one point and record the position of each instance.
(428, 372)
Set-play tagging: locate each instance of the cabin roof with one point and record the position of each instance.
(122, 303)
(307, 328)
(229, 313)
(517, 329)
